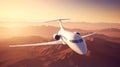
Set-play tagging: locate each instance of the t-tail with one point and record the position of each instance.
(60, 23)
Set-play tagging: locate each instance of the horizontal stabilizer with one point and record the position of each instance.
(57, 20)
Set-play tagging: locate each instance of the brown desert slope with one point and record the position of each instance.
(101, 53)
(103, 48)
(44, 31)
(110, 30)
(27, 31)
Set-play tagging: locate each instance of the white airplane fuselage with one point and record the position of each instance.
(74, 41)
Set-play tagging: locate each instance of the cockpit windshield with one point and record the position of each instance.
(77, 41)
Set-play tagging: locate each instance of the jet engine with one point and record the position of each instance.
(77, 33)
(56, 37)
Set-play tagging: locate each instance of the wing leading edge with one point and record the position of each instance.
(38, 44)
(88, 35)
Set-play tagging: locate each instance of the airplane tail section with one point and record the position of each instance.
(60, 22)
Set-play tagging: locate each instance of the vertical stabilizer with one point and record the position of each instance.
(60, 23)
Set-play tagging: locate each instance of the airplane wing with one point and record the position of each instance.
(88, 35)
(38, 44)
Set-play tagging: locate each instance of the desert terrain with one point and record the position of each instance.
(103, 47)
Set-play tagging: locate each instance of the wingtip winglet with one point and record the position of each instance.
(94, 32)
(11, 45)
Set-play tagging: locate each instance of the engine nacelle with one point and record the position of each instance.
(77, 33)
(56, 37)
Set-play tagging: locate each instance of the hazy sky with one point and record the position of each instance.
(44, 10)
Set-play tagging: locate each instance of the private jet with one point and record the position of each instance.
(73, 39)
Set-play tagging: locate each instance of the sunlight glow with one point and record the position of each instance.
(43, 10)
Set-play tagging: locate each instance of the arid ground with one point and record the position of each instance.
(103, 47)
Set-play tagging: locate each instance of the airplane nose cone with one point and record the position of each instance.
(82, 51)
(81, 48)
